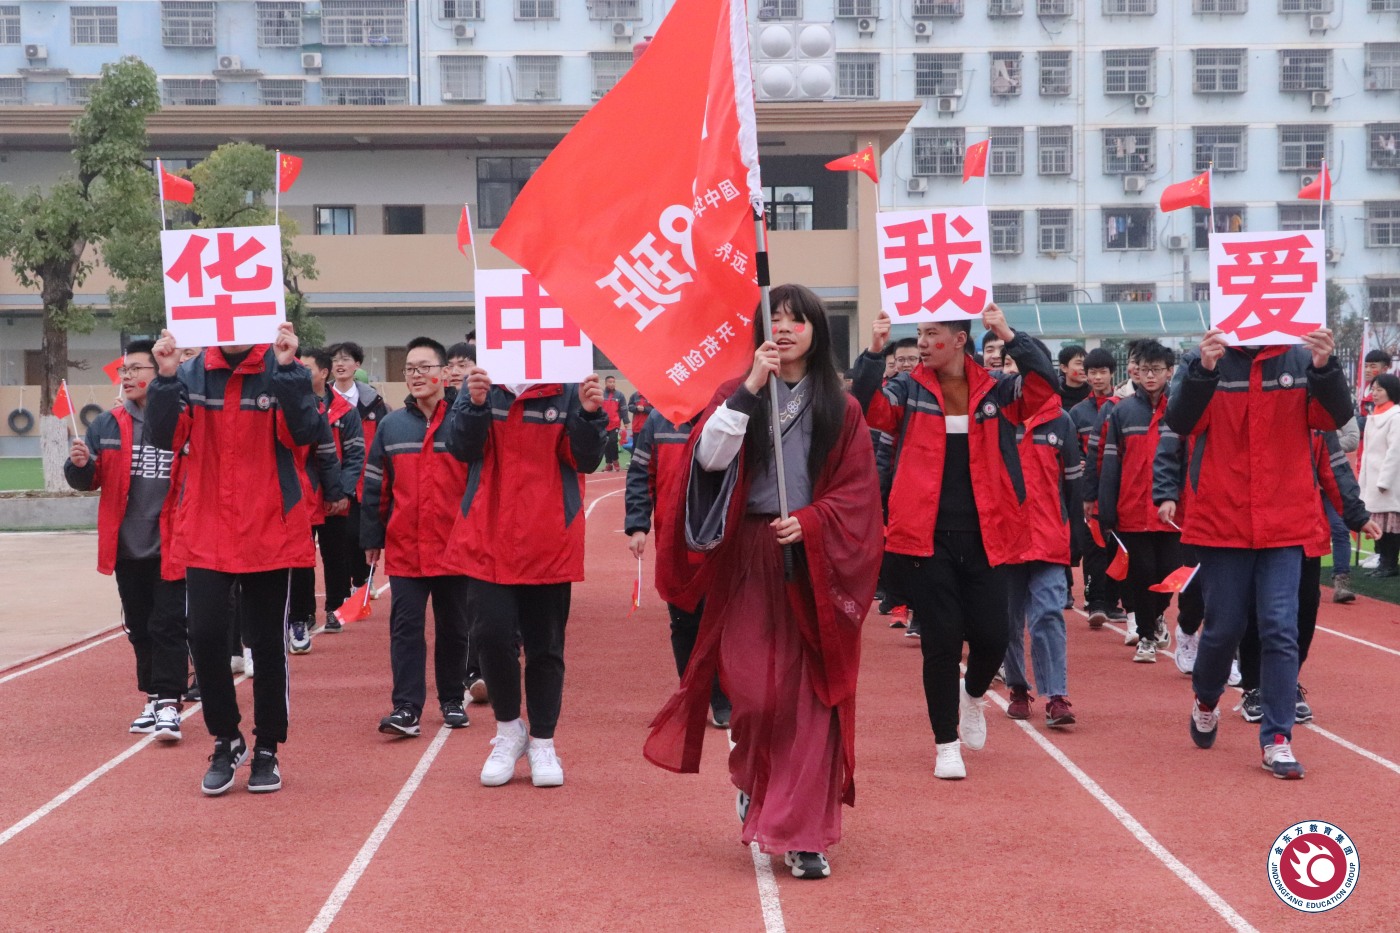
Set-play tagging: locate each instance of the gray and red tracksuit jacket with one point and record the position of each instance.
(321, 467)
(639, 408)
(613, 405)
(412, 490)
(1250, 480)
(372, 410)
(243, 502)
(521, 520)
(348, 432)
(911, 409)
(1052, 466)
(656, 480)
(1128, 441)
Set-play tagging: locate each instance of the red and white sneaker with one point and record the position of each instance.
(1278, 759)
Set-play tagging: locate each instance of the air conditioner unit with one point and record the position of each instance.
(916, 185)
(1142, 101)
(463, 31)
(622, 30)
(923, 29)
(311, 61)
(1178, 242)
(36, 53)
(1134, 184)
(1321, 99)
(230, 63)
(1333, 255)
(865, 26)
(1305, 180)
(947, 105)
(1318, 23)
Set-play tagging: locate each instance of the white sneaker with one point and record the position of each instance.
(1186, 648)
(509, 745)
(1164, 637)
(545, 768)
(1146, 652)
(248, 661)
(168, 723)
(1372, 562)
(146, 722)
(1235, 675)
(1130, 636)
(235, 664)
(949, 765)
(972, 718)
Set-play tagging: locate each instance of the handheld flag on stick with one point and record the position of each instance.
(1176, 581)
(465, 240)
(1118, 567)
(63, 406)
(637, 589)
(357, 607)
(863, 161)
(112, 369)
(1096, 532)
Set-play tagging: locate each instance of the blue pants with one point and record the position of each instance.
(1036, 593)
(1341, 539)
(1233, 580)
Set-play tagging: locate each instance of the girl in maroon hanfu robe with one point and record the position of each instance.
(787, 649)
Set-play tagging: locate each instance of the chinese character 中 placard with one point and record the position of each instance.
(223, 286)
(935, 265)
(523, 335)
(1267, 288)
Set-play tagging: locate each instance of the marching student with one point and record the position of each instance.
(613, 403)
(531, 444)
(461, 357)
(992, 348)
(346, 358)
(1100, 590)
(640, 409)
(956, 507)
(1251, 506)
(339, 551)
(134, 541)
(905, 353)
(1380, 471)
(413, 488)
(786, 645)
(1074, 380)
(243, 524)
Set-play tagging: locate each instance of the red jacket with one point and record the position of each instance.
(1052, 466)
(1129, 440)
(613, 405)
(243, 505)
(1250, 481)
(521, 518)
(911, 409)
(413, 488)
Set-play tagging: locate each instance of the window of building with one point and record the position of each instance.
(92, 25)
(1127, 228)
(202, 92)
(1382, 300)
(851, 8)
(80, 90)
(939, 150)
(1302, 147)
(537, 77)
(11, 90)
(1129, 151)
(1304, 216)
(1130, 71)
(9, 25)
(536, 9)
(608, 69)
(1228, 219)
(1055, 73)
(937, 9)
(281, 92)
(1219, 71)
(498, 182)
(1005, 228)
(858, 75)
(1005, 7)
(1384, 6)
(463, 9)
(1054, 230)
(403, 219)
(1381, 149)
(1006, 154)
(615, 9)
(1130, 291)
(937, 74)
(463, 77)
(1383, 66)
(790, 207)
(1129, 7)
(1009, 294)
(1305, 6)
(279, 24)
(1305, 70)
(1382, 224)
(335, 221)
(1200, 291)
(1054, 294)
(1006, 74)
(780, 9)
(363, 22)
(1219, 6)
(1054, 7)
(187, 24)
(378, 92)
(1055, 150)
(1220, 147)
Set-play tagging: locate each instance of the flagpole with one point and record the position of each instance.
(277, 188)
(72, 416)
(471, 234)
(1322, 202)
(1210, 205)
(160, 190)
(765, 313)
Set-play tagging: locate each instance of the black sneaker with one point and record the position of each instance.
(192, 694)
(719, 717)
(228, 755)
(886, 606)
(266, 776)
(811, 865)
(402, 721)
(1251, 706)
(1205, 723)
(332, 623)
(453, 716)
(741, 806)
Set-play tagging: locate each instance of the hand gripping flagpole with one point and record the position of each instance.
(765, 313)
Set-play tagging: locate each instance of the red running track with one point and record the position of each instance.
(624, 846)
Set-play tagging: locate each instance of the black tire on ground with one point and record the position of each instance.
(21, 421)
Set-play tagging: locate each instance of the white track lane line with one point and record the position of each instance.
(61, 657)
(1163, 855)
(84, 782)
(768, 900)
(1331, 631)
(357, 868)
(594, 504)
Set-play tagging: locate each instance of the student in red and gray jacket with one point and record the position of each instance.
(518, 536)
(956, 506)
(639, 408)
(413, 488)
(1251, 501)
(136, 478)
(243, 524)
(346, 358)
(1100, 590)
(613, 404)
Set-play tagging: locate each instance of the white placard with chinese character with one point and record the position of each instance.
(1267, 288)
(522, 335)
(223, 285)
(935, 265)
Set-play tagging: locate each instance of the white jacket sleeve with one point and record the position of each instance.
(721, 439)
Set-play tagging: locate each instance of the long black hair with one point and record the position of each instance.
(828, 396)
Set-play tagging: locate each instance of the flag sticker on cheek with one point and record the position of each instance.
(940, 346)
(141, 385)
(801, 328)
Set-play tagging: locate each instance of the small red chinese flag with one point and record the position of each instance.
(62, 404)
(863, 161)
(111, 369)
(1319, 189)
(636, 596)
(1094, 530)
(464, 231)
(1118, 567)
(288, 168)
(1176, 581)
(357, 607)
(1193, 193)
(975, 160)
(175, 188)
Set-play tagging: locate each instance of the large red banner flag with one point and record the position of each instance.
(640, 223)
